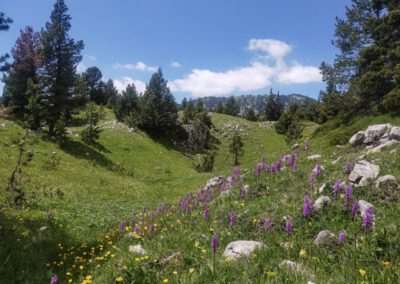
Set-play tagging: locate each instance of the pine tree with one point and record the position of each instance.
(273, 108)
(34, 111)
(60, 56)
(236, 148)
(96, 87)
(231, 107)
(199, 106)
(183, 104)
(23, 68)
(219, 108)
(92, 116)
(4, 26)
(110, 93)
(250, 115)
(189, 112)
(158, 110)
(126, 103)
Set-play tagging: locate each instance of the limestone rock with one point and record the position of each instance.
(386, 144)
(291, 265)
(394, 151)
(237, 249)
(322, 188)
(42, 229)
(214, 182)
(387, 182)
(167, 259)
(295, 146)
(336, 161)
(321, 202)
(375, 132)
(137, 249)
(357, 138)
(313, 157)
(363, 171)
(395, 133)
(323, 237)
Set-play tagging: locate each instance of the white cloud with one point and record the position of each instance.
(274, 48)
(125, 81)
(175, 64)
(138, 66)
(81, 67)
(258, 75)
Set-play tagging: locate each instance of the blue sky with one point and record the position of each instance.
(204, 47)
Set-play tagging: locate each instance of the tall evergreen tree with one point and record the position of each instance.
(4, 26)
(110, 93)
(23, 68)
(60, 55)
(126, 103)
(189, 112)
(250, 115)
(231, 107)
(236, 148)
(158, 111)
(183, 104)
(219, 108)
(273, 108)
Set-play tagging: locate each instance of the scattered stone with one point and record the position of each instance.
(362, 157)
(286, 218)
(394, 151)
(357, 138)
(363, 206)
(387, 182)
(369, 147)
(386, 144)
(340, 146)
(322, 188)
(315, 169)
(291, 265)
(167, 259)
(137, 249)
(375, 132)
(286, 245)
(71, 132)
(224, 193)
(42, 229)
(321, 202)
(336, 161)
(323, 237)
(295, 146)
(237, 249)
(363, 171)
(214, 182)
(313, 157)
(4, 124)
(395, 133)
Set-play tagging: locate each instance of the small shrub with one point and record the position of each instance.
(207, 162)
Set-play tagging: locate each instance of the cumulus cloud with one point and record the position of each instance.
(138, 66)
(260, 74)
(125, 81)
(175, 64)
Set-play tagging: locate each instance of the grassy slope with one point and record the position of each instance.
(93, 191)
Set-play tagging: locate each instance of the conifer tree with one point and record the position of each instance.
(236, 148)
(60, 55)
(4, 26)
(250, 115)
(219, 108)
(231, 107)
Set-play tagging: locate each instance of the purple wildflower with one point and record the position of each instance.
(134, 213)
(367, 219)
(188, 210)
(152, 228)
(223, 184)
(144, 209)
(133, 222)
(143, 220)
(298, 153)
(266, 224)
(312, 179)
(232, 181)
(307, 145)
(348, 167)
(122, 226)
(48, 216)
(214, 242)
(342, 237)
(336, 188)
(205, 214)
(348, 191)
(151, 214)
(354, 208)
(318, 169)
(243, 193)
(263, 159)
(307, 206)
(241, 179)
(266, 168)
(294, 168)
(272, 168)
(289, 227)
(258, 169)
(232, 218)
(54, 279)
(137, 230)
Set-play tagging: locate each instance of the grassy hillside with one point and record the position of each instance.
(84, 187)
(85, 241)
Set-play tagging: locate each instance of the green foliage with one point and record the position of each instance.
(250, 115)
(231, 107)
(273, 108)
(92, 116)
(294, 132)
(207, 162)
(391, 102)
(158, 111)
(4, 26)
(189, 112)
(219, 108)
(35, 111)
(110, 93)
(183, 104)
(236, 147)
(126, 103)
(60, 131)
(59, 55)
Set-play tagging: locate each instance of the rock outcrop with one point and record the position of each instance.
(363, 172)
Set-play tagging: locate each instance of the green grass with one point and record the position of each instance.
(93, 192)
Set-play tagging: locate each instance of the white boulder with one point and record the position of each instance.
(237, 249)
(363, 171)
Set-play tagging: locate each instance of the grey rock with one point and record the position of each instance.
(387, 182)
(237, 249)
(362, 157)
(167, 259)
(286, 245)
(42, 229)
(137, 249)
(321, 202)
(215, 182)
(375, 132)
(340, 146)
(313, 157)
(336, 161)
(357, 138)
(395, 133)
(386, 144)
(291, 265)
(323, 237)
(363, 171)
(295, 146)
(224, 193)
(394, 151)
(322, 188)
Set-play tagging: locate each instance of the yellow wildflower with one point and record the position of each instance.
(385, 263)
(271, 274)
(362, 272)
(165, 281)
(119, 279)
(191, 270)
(303, 253)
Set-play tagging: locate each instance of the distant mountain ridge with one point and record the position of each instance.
(257, 102)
